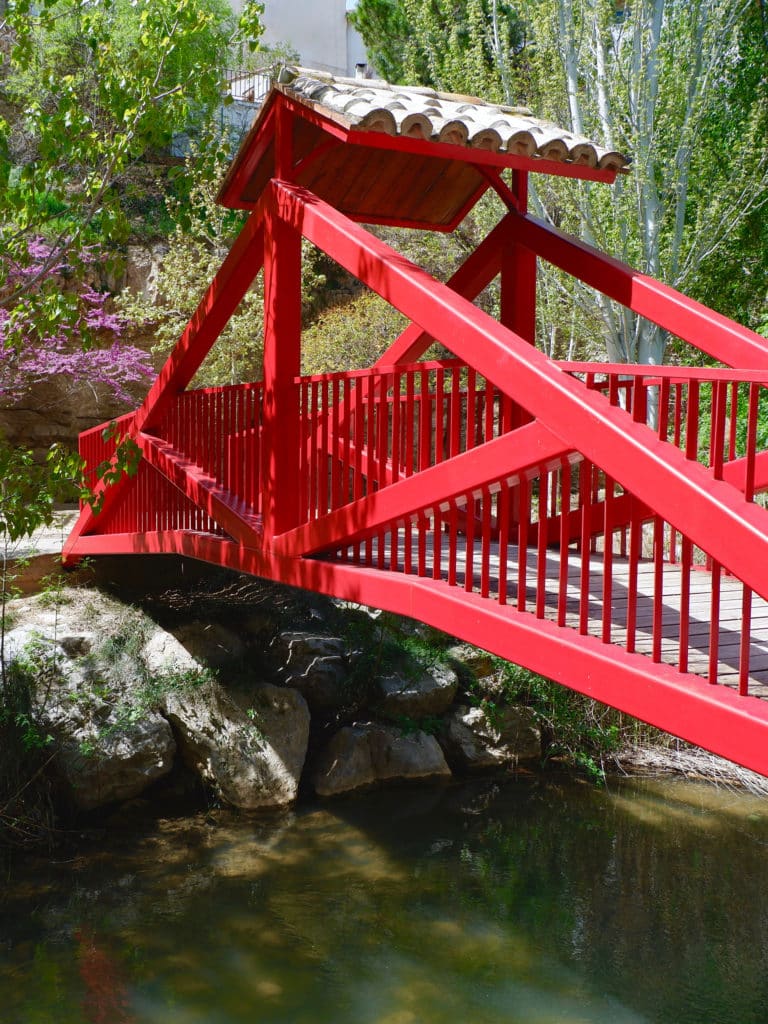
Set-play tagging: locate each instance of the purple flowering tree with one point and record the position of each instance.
(60, 331)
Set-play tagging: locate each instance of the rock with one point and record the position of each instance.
(472, 739)
(108, 745)
(104, 752)
(163, 653)
(315, 665)
(210, 643)
(431, 693)
(362, 755)
(250, 745)
(142, 268)
(477, 661)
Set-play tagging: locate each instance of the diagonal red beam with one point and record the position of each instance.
(221, 299)
(712, 513)
(223, 296)
(475, 273)
(504, 458)
(735, 472)
(204, 491)
(711, 332)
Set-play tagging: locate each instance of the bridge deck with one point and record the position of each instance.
(669, 613)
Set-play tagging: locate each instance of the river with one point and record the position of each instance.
(535, 901)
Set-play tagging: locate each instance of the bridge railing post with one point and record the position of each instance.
(281, 431)
(518, 300)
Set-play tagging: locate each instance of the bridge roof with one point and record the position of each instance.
(409, 157)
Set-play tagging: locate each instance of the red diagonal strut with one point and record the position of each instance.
(711, 512)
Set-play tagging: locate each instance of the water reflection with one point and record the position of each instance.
(533, 902)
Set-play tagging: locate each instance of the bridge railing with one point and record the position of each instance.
(365, 429)
(150, 502)
(568, 544)
(564, 542)
(713, 415)
(219, 430)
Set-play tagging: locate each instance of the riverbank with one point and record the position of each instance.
(144, 677)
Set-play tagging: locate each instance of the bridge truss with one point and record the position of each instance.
(601, 525)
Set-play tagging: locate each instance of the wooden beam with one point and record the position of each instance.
(711, 332)
(518, 272)
(281, 432)
(503, 459)
(475, 273)
(220, 301)
(712, 513)
(228, 511)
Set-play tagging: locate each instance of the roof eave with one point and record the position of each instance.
(261, 133)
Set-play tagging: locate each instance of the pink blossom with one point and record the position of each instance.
(88, 347)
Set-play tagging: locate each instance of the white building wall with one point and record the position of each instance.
(317, 29)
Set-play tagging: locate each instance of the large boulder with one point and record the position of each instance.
(249, 745)
(209, 643)
(103, 754)
(474, 739)
(109, 745)
(314, 664)
(418, 696)
(362, 755)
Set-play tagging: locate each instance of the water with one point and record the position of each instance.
(538, 901)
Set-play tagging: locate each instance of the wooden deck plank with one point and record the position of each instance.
(699, 628)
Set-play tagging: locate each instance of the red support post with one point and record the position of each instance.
(518, 272)
(282, 358)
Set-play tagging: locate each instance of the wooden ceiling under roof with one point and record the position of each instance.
(405, 157)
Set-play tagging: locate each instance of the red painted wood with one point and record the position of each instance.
(202, 489)
(508, 456)
(564, 512)
(480, 158)
(518, 273)
(282, 355)
(683, 492)
(714, 618)
(586, 472)
(348, 464)
(216, 307)
(711, 332)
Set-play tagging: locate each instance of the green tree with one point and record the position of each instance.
(445, 43)
(680, 88)
(87, 88)
(678, 85)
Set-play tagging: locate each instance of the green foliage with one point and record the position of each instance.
(574, 727)
(351, 335)
(445, 43)
(678, 87)
(29, 490)
(430, 724)
(26, 814)
(87, 89)
(201, 239)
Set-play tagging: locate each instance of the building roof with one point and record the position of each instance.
(404, 155)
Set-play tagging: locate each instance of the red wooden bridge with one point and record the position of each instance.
(601, 525)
